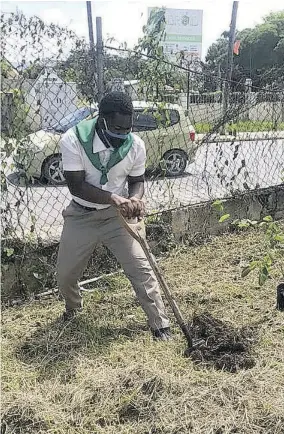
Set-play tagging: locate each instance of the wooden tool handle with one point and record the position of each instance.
(137, 231)
(134, 227)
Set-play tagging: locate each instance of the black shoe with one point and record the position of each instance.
(70, 314)
(163, 334)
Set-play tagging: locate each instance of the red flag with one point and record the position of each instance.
(236, 47)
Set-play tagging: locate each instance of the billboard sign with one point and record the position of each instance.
(183, 32)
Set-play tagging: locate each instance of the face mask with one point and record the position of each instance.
(114, 135)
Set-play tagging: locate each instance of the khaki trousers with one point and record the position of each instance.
(82, 231)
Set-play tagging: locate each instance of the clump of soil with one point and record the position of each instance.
(222, 347)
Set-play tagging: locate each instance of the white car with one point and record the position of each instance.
(168, 135)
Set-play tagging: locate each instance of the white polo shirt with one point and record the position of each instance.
(74, 159)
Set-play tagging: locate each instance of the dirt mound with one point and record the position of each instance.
(223, 347)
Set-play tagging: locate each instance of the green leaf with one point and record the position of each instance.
(267, 260)
(218, 205)
(224, 218)
(218, 202)
(243, 224)
(268, 218)
(9, 252)
(279, 238)
(253, 264)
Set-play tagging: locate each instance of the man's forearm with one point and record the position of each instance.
(90, 193)
(80, 188)
(136, 190)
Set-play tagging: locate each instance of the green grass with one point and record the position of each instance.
(103, 373)
(242, 126)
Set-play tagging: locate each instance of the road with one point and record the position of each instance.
(219, 170)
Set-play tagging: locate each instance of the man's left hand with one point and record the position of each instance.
(138, 207)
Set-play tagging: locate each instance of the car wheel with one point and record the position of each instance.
(53, 170)
(174, 162)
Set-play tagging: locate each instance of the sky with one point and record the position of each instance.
(123, 20)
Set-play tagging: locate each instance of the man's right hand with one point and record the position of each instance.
(124, 205)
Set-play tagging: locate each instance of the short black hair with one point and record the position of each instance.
(116, 102)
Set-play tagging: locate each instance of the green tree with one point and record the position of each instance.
(155, 71)
(217, 52)
(261, 52)
(81, 67)
(146, 63)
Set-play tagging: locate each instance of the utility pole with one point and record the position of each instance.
(90, 25)
(227, 83)
(100, 58)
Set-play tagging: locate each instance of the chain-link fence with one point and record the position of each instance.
(196, 150)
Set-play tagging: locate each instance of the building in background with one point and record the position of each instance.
(44, 101)
(183, 33)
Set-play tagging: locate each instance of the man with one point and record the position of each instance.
(100, 157)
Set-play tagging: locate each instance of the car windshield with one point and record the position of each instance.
(71, 120)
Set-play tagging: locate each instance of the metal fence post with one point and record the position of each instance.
(248, 87)
(92, 47)
(227, 83)
(282, 106)
(90, 24)
(100, 58)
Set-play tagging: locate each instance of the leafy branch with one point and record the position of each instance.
(274, 242)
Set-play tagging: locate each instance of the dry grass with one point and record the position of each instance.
(103, 374)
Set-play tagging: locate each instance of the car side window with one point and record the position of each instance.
(72, 119)
(169, 117)
(147, 120)
(144, 120)
(174, 117)
(78, 117)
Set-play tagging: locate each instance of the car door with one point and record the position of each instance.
(155, 128)
(145, 126)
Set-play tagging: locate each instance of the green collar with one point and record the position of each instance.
(85, 132)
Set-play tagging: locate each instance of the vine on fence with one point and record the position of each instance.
(28, 46)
